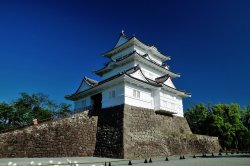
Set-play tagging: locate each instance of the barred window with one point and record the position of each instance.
(112, 94)
(136, 93)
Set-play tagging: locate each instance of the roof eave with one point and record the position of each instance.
(136, 55)
(178, 92)
(135, 41)
(91, 90)
(101, 71)
(156, 52)
(116, 49)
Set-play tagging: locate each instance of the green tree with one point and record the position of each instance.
(221, 120)
(32, 106)
(245, 117)
(227, 124)
(63, 110)
(27, 107)
(197, 116)
(6, 116)
(244, 142)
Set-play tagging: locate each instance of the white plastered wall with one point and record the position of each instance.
(171, 103)
(82, 103)
(145, 100)
(170, 83)
(117, 99)
(156, 99)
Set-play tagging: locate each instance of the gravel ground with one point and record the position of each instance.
(230, 160)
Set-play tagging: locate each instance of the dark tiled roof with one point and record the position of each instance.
(125, 37)
(99, 83)
(146, 55)
(123, 57)
(122, 34)
(128, 39)
(163, 65)
(90, 81)
(162, 79)
(128, 73)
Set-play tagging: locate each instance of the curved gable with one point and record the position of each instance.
(84, 86)
(139, 75)
(170, 83)
(122, 39)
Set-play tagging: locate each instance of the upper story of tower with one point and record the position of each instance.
(126, 45)
(129, 52)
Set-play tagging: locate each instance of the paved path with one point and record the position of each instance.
(230, 160)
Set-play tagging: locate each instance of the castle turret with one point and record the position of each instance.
(137, 75)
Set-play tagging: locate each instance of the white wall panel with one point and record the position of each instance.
(108, 101)
(82, 103)
(145, 100)
(170, 83)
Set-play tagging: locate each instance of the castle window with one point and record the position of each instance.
(136, 93)
(112, 94)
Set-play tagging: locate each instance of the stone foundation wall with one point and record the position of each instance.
(109, 141)
(73, 136)
(147, 134)
(119, 132)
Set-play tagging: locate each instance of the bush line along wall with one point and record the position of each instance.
(120, 132)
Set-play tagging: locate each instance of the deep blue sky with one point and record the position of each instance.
(48, 46)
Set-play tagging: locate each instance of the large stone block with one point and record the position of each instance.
(119, 132)
(148, 134)
(66, 137)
